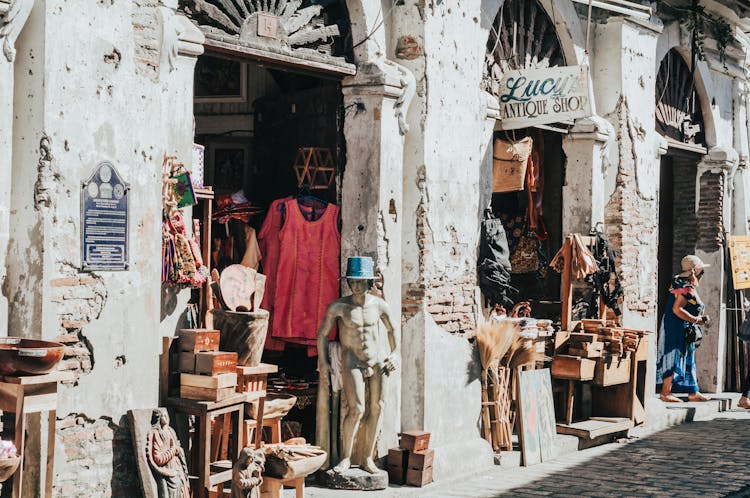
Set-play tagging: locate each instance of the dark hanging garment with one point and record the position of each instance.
(494, 262)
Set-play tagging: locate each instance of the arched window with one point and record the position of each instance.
(678, 110)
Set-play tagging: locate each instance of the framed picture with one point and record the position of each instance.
(219, 80)
(538, 428)
(228, 163)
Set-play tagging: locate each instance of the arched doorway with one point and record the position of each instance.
(524, 36)
(680, 121)
(268, 108)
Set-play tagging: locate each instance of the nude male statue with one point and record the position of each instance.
(363, 367)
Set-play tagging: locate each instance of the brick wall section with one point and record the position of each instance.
(684, 232)
(80, 298)
(631, 222)
(711, 212)
(94, 459)
(451, 305)
(147, 33)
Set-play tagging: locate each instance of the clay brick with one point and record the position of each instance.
(64, 281)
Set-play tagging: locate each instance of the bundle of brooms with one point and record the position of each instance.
(502, 350)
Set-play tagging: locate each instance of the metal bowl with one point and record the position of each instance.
(28, 356)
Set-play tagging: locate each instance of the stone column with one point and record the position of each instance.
(584, 192)
(375, 102)
(13, 15)
(712, 209)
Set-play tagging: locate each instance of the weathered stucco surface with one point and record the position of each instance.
(106, 88)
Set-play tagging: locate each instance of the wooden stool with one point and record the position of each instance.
(274, 423)
(253, 382)
(214, 443)
(32, 394)
(271, 487)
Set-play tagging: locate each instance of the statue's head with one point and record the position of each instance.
(360, 273)
(159, 417)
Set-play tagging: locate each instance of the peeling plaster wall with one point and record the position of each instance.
(111, 86)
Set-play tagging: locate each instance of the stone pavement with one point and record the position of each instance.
(707, 458)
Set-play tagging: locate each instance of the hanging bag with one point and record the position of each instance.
(509, 163)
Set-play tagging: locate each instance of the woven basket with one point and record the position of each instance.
(509, 164)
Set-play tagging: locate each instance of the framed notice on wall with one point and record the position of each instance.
(104, 220)
(739, 253)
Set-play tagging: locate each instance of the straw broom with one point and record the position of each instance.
(494, 339)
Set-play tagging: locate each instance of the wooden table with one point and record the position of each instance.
(253, 381)
(32, 394)
(204, 411)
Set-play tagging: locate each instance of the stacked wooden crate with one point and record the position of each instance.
(600, 353)
(411, 462)
(206, 373)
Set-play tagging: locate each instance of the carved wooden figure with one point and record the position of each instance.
(166, 458)
(247, 473)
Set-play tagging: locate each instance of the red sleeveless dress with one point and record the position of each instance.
(307, 274)
(268, 240)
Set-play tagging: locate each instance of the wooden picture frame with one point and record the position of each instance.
(218, 80)
(536, 416)
(228, 163)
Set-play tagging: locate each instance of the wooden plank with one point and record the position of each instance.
(263, 368)
(198, 407)
(206, 393)
(595, 427)
(56, 376)
(212, 382)
(567, 285)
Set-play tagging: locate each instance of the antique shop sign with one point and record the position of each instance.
(541, 96)
(104, 215)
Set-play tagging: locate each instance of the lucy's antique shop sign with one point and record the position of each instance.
(541, 96)
(104, 216)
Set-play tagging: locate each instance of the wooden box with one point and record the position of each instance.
(206, 393)
(398, 457)
(611, 371)
(186, 362)
(396, 474)
(213, 382)
(414, 440)
(572, 367)
(419, 478)
(215, 362)
(420, 460)
(195, 340)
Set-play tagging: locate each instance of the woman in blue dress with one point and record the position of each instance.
(676, 370)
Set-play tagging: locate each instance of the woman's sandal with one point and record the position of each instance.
(669, 398)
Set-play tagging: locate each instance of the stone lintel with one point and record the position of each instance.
(654, 25)
(374, 78)
(718, 159)
(593, 128)
(190, 39)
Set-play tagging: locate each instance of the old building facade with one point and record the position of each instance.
(88, 81)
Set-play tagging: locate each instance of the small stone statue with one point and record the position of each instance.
(247, 473)
(364, 366)
(166, 458)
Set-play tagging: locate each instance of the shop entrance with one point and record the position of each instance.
(538, 204)
(274, 157)
(679, 120)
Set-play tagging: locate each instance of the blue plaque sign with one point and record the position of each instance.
(104, 216)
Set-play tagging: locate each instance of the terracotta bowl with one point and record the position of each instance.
(7, 467)
(28, 356)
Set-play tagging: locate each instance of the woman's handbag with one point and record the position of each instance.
(693, 334)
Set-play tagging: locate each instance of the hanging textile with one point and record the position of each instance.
(307, 273)
(494, 264)
(605, 281)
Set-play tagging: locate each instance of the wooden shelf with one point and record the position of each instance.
(204, 193)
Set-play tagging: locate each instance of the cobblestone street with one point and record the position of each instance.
(699, 459)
